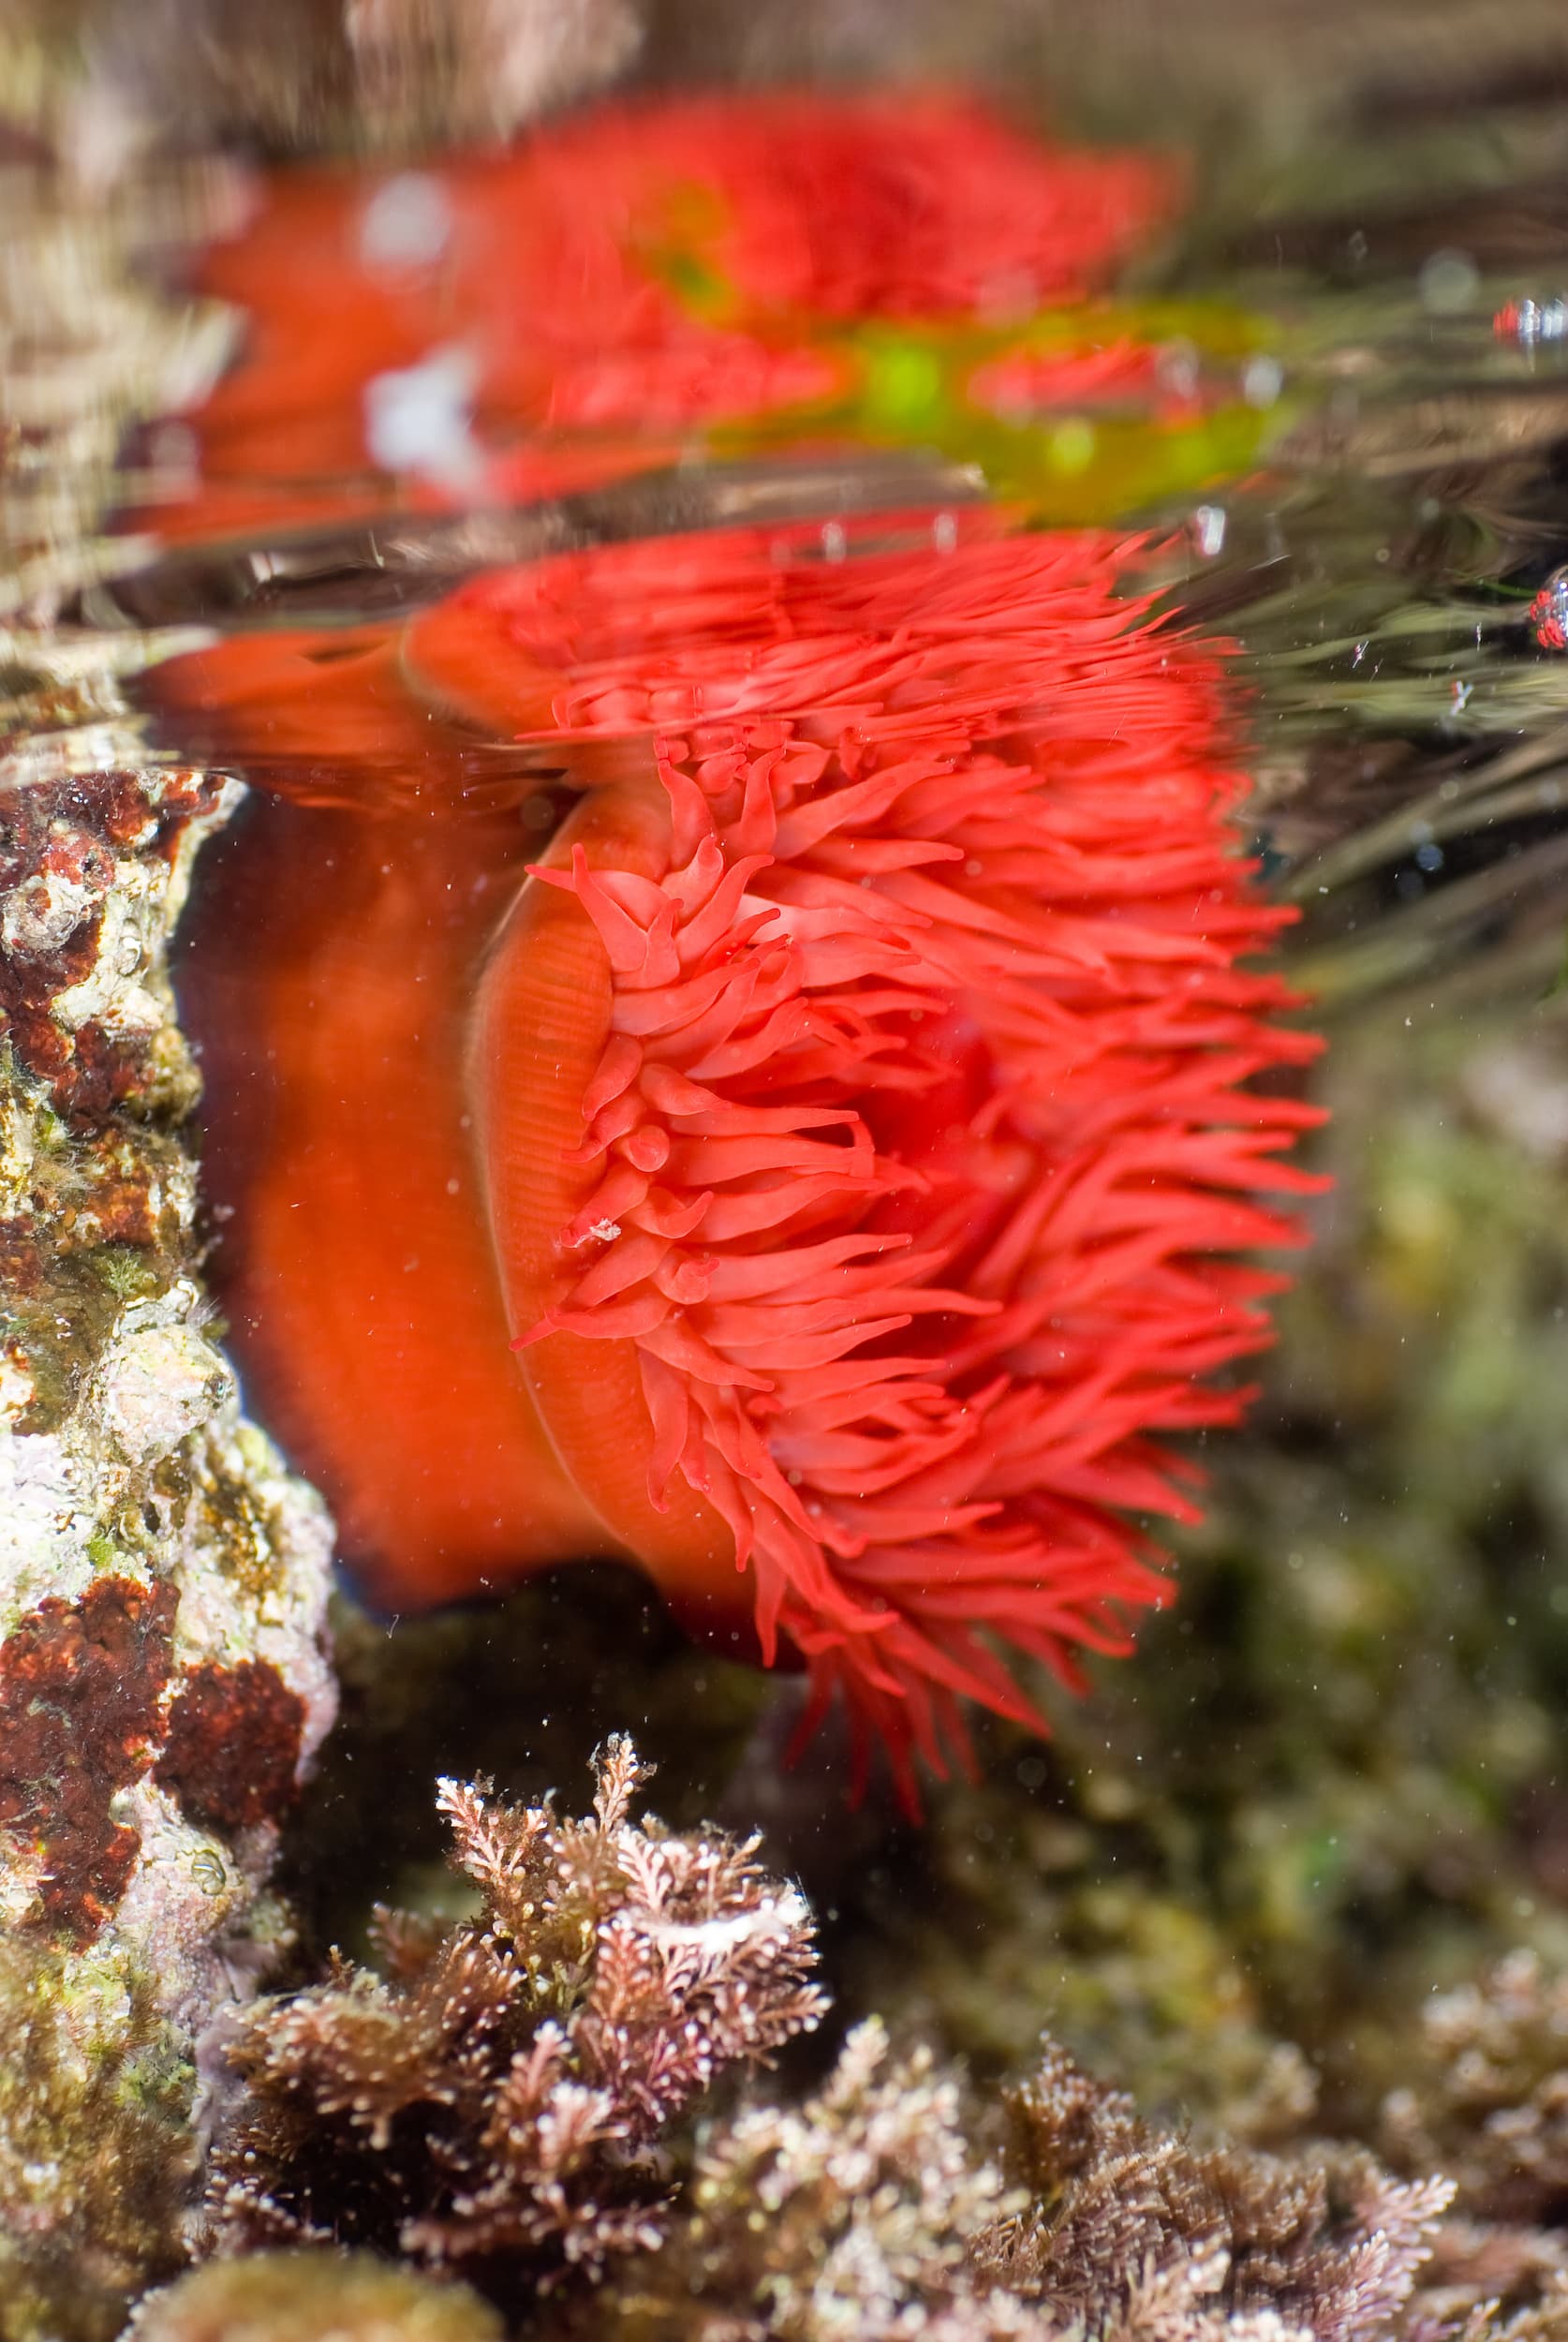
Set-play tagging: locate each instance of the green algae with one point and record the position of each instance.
(94, 2091)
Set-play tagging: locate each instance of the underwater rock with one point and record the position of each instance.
(312, 2297)
(162, 1578)
(163, 1681)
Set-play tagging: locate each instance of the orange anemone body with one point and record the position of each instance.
(360, 1282)
(331, 957)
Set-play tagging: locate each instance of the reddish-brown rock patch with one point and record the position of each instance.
(58, 849)
(233, 1745)
(80, 1687)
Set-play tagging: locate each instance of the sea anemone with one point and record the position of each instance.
(862, 1085)
(850, 1121)
(863, 1103)
(634, 277)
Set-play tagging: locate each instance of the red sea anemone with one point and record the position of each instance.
(820, 1180)
(862, 1098)
(630, 279)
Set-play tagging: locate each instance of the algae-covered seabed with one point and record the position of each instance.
(1330, 1782)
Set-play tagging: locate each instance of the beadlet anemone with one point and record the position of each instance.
(820, 1179)
(719, 261)
(832, 1205)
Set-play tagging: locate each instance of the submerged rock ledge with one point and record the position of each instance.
(164, 1680)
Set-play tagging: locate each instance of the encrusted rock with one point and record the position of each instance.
(313, 2297)
(163, 1679)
